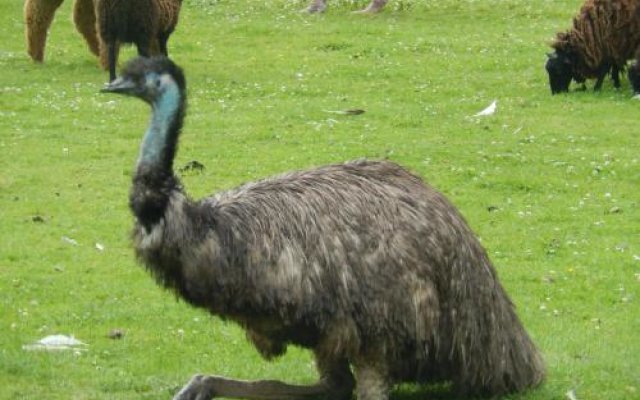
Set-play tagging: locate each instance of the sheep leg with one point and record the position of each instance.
(206, 387)
(634, 77)
(317, 6)
(374, 7)
(615, 76)
(602, 72)
(38, 15)
(84, 18)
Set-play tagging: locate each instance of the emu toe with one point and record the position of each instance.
(196, 389)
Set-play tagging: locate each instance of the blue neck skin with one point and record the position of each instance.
(156, 139)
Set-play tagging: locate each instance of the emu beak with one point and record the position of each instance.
(120, 85)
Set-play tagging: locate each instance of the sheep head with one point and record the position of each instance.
(563, 64)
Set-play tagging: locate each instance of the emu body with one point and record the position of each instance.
(362, 262)
(604, 36)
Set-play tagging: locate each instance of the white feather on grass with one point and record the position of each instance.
(491, 109)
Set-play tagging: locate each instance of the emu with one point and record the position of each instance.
(604, 36)
(147, 23)
(362, 262)
(318, 6)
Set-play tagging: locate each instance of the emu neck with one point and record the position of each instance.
(154, 180)
(160, 141)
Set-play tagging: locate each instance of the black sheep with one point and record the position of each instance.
(605, 35)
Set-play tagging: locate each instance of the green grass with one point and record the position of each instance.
(550, 184)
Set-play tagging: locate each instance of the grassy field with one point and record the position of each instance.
(550, 184)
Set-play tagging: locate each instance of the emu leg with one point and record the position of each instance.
(317, 6)
(38, 15)
(373, 383)
(374, 7)
(84, 18)
(372, 374)
(337, 377)
(206, 387)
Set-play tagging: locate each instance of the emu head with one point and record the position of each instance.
(148, 79)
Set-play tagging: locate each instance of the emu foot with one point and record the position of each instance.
(373, 7)
(317, 6)
(206, 387)
(196, 389)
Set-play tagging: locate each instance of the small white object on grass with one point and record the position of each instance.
(69, 240)
(56, 342)
(489, 110)
(571, 394)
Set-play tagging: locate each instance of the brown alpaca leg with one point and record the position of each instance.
(112, 49)
(38, 15)
(84, 17)
(104, 53)
(155, 48)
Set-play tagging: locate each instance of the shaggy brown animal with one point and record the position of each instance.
(317, 6)
(38, 15)
(127, 21)
(605, 35)
(363, 263)
(146, 23)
